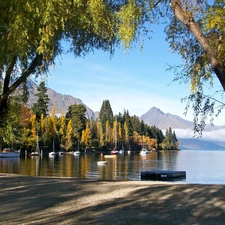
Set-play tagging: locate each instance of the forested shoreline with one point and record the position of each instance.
(24, 126)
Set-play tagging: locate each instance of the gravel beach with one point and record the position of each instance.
(44, 200)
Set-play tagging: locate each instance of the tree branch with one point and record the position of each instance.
(187, 19)
(31, 69)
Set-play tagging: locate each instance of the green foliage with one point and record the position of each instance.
(170, 142)
(106, 114)
(41, 106)
(78, 121)
(203, 56)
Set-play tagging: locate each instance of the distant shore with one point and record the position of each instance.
(44, 200)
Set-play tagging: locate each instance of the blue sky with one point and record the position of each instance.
(135, 81)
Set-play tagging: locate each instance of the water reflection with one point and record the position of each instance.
(201, 167)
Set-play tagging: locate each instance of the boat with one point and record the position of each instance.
(121, 151)
(144, 150)
(102, 162)
(115, 151)
(78, 149)
(129, 149)
(9, 153)
(76, 153)
(37, 152)
(53, 153)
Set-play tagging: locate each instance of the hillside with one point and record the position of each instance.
(61, 102)
(199, 144)
(165, 120)
(153, 117)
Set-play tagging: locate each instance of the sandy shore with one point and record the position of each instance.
(39, 200)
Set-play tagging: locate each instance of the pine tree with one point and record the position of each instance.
(41, 106)
(77, 115)
(106, 114)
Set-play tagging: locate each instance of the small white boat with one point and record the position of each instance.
(78, 149)
(102, 162)
(9, 153)
(144, 151)
(76, 153)
(37, 152)
(53, 153)
(121, 151)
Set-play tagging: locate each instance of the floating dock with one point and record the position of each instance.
(162, 175)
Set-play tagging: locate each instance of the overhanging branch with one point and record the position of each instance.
(187, 19)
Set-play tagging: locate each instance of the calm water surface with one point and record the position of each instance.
(205, 167)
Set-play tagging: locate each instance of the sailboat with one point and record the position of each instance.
(78, 149)
(122, 150)
(115, 151)
(144, 150)
(37, 151)
(52, 153)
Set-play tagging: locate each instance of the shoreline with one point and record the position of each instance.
(53, 200)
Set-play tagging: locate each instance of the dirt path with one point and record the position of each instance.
(38, 200)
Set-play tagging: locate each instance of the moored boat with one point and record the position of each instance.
(37, 152)
(9, 153)
(53, 153)
(102, 162)
(76, 153)
(144, 151)
(114, 152)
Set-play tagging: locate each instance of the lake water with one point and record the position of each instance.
(203, 167)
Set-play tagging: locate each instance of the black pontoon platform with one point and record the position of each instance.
(162, 175)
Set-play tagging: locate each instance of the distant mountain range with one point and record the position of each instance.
(61, 102)
(165, 120)
(153, 117)
(199, 144)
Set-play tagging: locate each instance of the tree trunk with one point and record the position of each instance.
(8, 90)
(187, 19)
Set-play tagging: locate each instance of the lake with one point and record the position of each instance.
(203, 167)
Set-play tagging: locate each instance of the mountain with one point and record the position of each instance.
(153, 117)
(60, 101)
(199, 144)
(165, 120)
(184, 130)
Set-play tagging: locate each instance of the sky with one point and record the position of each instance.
(135, 81)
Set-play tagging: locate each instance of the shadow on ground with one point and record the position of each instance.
(38, 200)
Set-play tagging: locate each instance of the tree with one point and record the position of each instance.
(197, 34)
(32, 33)
(77, 115)
(170, 142)
(41, 106)
(106, 114)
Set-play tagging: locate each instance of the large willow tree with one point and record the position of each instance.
(32, 33)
